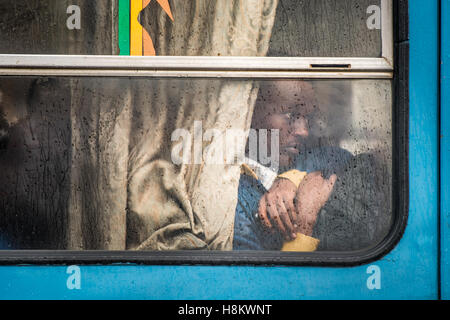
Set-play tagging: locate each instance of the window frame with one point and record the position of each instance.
(208, 66)
(395, 52)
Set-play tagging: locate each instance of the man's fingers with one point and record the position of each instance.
(284, 215)
(274, 215)
(273, 211)
(262, 213)
(292, 212)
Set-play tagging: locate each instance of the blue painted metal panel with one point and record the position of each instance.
(410, 271)
(445, 149)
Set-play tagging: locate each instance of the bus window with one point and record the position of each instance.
(166, 164)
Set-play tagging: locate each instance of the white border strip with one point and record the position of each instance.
(195, 63)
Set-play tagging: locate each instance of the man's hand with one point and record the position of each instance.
(276, 208)
(313, 192)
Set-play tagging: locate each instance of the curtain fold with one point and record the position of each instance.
(100, 126)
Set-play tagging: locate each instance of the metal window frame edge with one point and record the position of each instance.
(204, 66)
(128, 66)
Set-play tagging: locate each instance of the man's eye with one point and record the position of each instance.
(297, 116)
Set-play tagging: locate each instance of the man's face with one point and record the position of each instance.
(286, 106)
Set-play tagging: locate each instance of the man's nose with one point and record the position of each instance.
(301, 127)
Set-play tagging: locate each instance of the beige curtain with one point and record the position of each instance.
(126, 191)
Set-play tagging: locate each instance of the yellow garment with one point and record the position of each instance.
(302, 243)
(245, 169)
(294, 176)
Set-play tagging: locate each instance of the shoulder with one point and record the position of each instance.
(328, 159)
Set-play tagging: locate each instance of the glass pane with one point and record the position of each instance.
(326, 28)
(58, 27)
(296, 28)
(181, 164)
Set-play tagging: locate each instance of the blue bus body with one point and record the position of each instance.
(445, 152)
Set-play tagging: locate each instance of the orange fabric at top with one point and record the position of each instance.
(166, 7)
(147, 43)
(148, 46)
